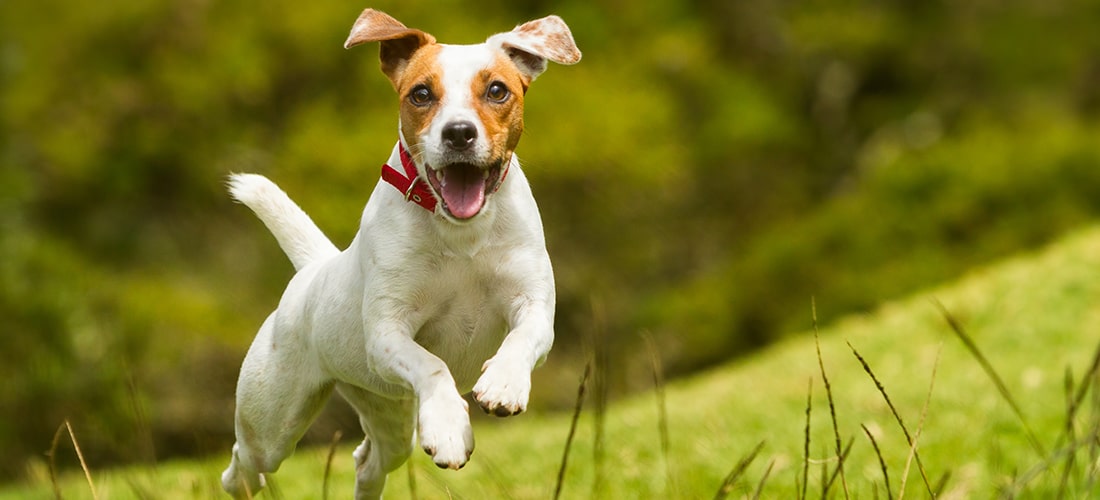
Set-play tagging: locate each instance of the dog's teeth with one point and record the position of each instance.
(439, 175)
(484, 174)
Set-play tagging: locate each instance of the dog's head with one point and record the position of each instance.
(462, 105)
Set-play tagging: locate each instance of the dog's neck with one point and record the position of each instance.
(407, 179)
(455, 238)
(411, 183)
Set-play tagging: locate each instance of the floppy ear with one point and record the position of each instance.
(398, 42)
(533, 43)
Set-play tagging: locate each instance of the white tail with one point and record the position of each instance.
(299, 237)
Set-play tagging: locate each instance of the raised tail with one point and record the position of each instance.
(298, 236)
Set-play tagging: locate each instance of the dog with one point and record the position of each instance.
(446, 287)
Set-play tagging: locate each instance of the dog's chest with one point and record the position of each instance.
(465, 321)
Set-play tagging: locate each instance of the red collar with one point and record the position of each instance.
(413, 187)
(409, 184)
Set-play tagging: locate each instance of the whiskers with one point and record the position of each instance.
(416, 152)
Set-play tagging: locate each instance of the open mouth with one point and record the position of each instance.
(463, 187)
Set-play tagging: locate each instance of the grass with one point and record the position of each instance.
(985, 387)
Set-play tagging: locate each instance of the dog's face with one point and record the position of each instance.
(462, 105)
(461, 117)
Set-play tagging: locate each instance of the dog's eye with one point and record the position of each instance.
(497, 92)
(421, 95)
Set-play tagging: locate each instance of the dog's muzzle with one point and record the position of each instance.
(463, 187)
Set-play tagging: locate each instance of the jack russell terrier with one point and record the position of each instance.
(447, 286)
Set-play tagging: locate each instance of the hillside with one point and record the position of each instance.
(1034, 317)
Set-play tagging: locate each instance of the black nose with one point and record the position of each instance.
(459, 135)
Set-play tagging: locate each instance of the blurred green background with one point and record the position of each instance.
(706, 169)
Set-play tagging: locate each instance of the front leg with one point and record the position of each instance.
(443, 419)
(505, 382)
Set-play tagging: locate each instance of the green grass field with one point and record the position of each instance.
(1033, 317)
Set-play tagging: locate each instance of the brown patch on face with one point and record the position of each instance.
(502, 118)
(422, 71)
(398, 42)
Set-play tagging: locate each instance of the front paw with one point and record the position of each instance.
(503, 388)
(444, 429)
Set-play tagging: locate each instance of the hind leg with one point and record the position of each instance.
(279, 393)
(388, 425)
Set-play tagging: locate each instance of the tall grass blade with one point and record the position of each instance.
(328, 462)
(662, 412)
(840, 459)
(1088, 380)
(881, 461)
(806, 442)
(138, 491)
(272, 489)
(52, 455)
(1090, 441)
(941, 484)
(601, 387)
(494, 473)
(828, 395)
(824, 472)
(410, 472)
(763, 480)
(736, 473)
(1094, 425)
(141, 420)
(960, 332)
(897, 417)
(1070, 432)
(1020, 482)
(572, 429)
(916, 436)
(443, 486)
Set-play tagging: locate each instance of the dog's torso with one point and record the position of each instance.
(453, 285)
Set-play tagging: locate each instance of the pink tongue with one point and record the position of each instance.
(463, 190)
